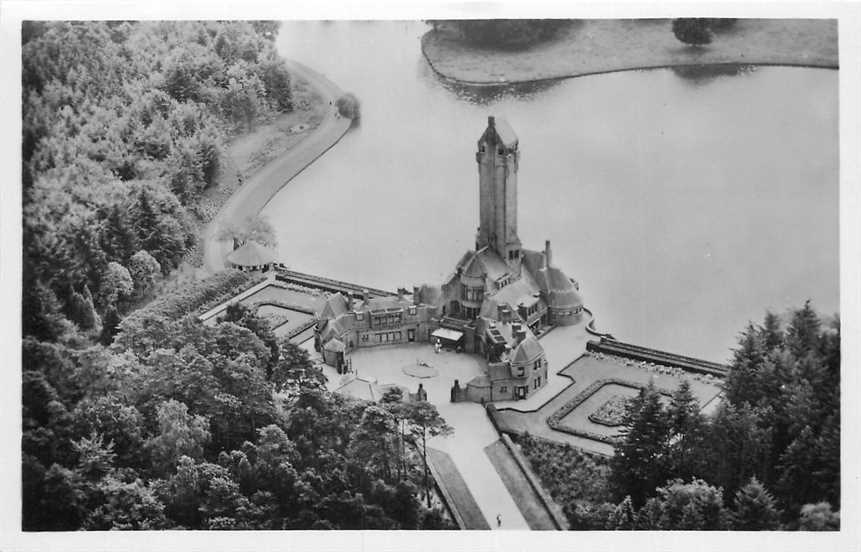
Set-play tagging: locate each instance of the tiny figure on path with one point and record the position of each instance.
(499, 520)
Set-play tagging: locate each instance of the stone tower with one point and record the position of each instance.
(498, 158)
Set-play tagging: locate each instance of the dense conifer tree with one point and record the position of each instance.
(754, 509)
(640, 462)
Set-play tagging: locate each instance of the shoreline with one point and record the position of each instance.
(253, 195)
(460, 64)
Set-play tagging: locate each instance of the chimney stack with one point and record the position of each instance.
(519, 334)
(491, 122)
(548, 254)
(366, 295)
(417, 295)
(350, 301)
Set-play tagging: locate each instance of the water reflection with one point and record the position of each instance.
(701, 75)
(486, 95)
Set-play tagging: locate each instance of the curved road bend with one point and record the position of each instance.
(258, 189)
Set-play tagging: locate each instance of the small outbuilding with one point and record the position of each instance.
(448, 338)
(251, 256)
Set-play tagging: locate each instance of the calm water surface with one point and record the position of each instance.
(685, 204)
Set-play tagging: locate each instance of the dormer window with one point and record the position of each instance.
(359, 315)
(412, 310)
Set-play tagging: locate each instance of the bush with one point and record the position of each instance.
(692, 31)
(348, 106)
(568, 474)
(276, 78)
(818, 517)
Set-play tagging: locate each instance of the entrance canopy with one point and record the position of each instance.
(446, 334)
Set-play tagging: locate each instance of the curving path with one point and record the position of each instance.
(257, 190)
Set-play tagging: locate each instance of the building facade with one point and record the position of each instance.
(497, 301)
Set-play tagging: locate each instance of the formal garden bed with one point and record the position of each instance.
(557, 422)
(612, 412)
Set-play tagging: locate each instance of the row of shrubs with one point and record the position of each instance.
(198, 297)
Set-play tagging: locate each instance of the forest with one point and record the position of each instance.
(136, 415)
(123, 128)
(768, 459)
(179, 425)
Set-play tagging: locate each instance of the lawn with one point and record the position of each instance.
(606, 45)
(455, 487)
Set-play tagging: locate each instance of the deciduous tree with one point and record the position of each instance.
(179, 434)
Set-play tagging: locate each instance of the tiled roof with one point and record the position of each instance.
(368, 390)
(559, 289)
(528, 350)
(333, 306)
(499, 131)
(521, 290)
(479, 381)
(505, 132)
(335, 345)
(532, 260)
(484, 262)
(251, 254)
(360, 389)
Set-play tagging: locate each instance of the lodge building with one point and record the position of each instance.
(496, 301)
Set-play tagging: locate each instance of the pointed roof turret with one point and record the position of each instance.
(498, 131)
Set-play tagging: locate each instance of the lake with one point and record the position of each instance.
(685, 203)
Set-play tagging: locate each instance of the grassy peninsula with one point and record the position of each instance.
(593, 46)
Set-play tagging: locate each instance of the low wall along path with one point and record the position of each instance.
(261, 187)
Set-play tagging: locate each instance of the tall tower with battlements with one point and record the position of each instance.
(498, 159)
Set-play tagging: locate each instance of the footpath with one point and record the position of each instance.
(262, 186)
